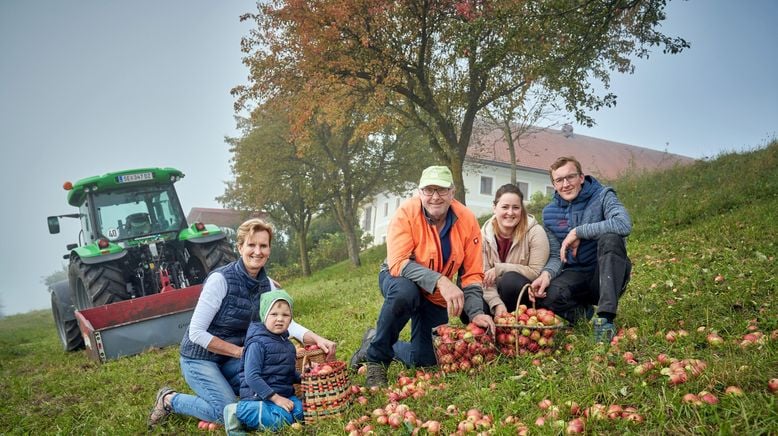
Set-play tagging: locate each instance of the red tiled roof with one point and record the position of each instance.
(221, 217)
(604, 159)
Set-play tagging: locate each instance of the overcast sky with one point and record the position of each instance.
(90, 86)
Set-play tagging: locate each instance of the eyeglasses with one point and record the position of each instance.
(429, 192)
(570, 178)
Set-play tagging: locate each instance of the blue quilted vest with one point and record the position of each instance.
(561, 216)
(239, 307)
(278, 366)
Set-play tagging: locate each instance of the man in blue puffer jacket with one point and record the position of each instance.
(586, 225)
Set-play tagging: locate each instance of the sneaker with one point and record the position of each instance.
(376, 375)
(604, 331)
(359, 356)
(232, 424)
(160, 410)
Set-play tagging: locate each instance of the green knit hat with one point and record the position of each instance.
(268, 299)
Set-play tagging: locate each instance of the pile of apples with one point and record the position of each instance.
(523, 332)
(462, 348)
(414, 386)
(394, 415)
(676, 371)
(319, 369)
(553, 415)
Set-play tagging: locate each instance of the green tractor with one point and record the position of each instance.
(134, 242)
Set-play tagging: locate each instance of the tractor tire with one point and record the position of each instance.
(97, 284)
(205, 258)
(65, 318)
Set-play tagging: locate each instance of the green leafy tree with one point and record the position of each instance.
(440, 62)
(357, 156)
(270, 176)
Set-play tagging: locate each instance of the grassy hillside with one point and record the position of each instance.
(704, 253)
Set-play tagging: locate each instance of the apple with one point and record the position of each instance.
(714, 339)
(433, 427)
(773, 385)
(575, 426)
(544, 404)
(734, 391)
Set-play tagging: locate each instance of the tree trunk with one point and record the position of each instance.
(459, 182)
(511, 148)
(352, 243)
(345, 215)
(302, 244)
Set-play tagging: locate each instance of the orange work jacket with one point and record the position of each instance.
(411, 238)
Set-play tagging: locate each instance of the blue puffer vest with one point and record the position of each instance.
(561, 216)
(239, 307)
(277, 368)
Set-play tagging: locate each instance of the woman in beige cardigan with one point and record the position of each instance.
(515, 249)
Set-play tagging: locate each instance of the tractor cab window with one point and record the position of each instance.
(124, 215)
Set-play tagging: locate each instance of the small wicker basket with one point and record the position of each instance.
(325, 395)
(519, 339)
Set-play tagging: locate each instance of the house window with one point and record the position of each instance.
(486, 185)
(549, 191)
(367, 220)
(524, 188)
(386, 209)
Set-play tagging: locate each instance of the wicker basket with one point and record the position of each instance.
(312, 356)
(519, 339)
(459, 349)
(325, 395)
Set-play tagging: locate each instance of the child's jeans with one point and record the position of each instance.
(262, 415)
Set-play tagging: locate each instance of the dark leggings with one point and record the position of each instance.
(508, 288)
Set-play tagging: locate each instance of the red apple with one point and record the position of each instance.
(575, 426)
(773, 385)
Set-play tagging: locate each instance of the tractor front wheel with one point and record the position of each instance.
(97, 284)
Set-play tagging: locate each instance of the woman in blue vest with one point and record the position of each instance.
(212, 347)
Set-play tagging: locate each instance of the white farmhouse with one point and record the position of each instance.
(487, 167)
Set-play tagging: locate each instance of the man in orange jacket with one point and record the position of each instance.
(432, 237)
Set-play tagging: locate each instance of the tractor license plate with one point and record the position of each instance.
(138, 177)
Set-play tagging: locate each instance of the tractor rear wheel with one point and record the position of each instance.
(205, 258)
(64, 317)
(97, 284)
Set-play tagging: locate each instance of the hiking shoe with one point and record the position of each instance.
(604, 331)
(232, 424)
(359, 356)
(160, 411)
(376, 375)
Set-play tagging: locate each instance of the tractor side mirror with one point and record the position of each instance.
(71, 247)
(53, 222)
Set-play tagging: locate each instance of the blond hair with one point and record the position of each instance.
(252, 226)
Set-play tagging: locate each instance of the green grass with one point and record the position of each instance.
(691, 224)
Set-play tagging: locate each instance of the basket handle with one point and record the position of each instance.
(304, 363)
(521, 294)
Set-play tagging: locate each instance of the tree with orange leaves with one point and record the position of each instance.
(438, 63)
